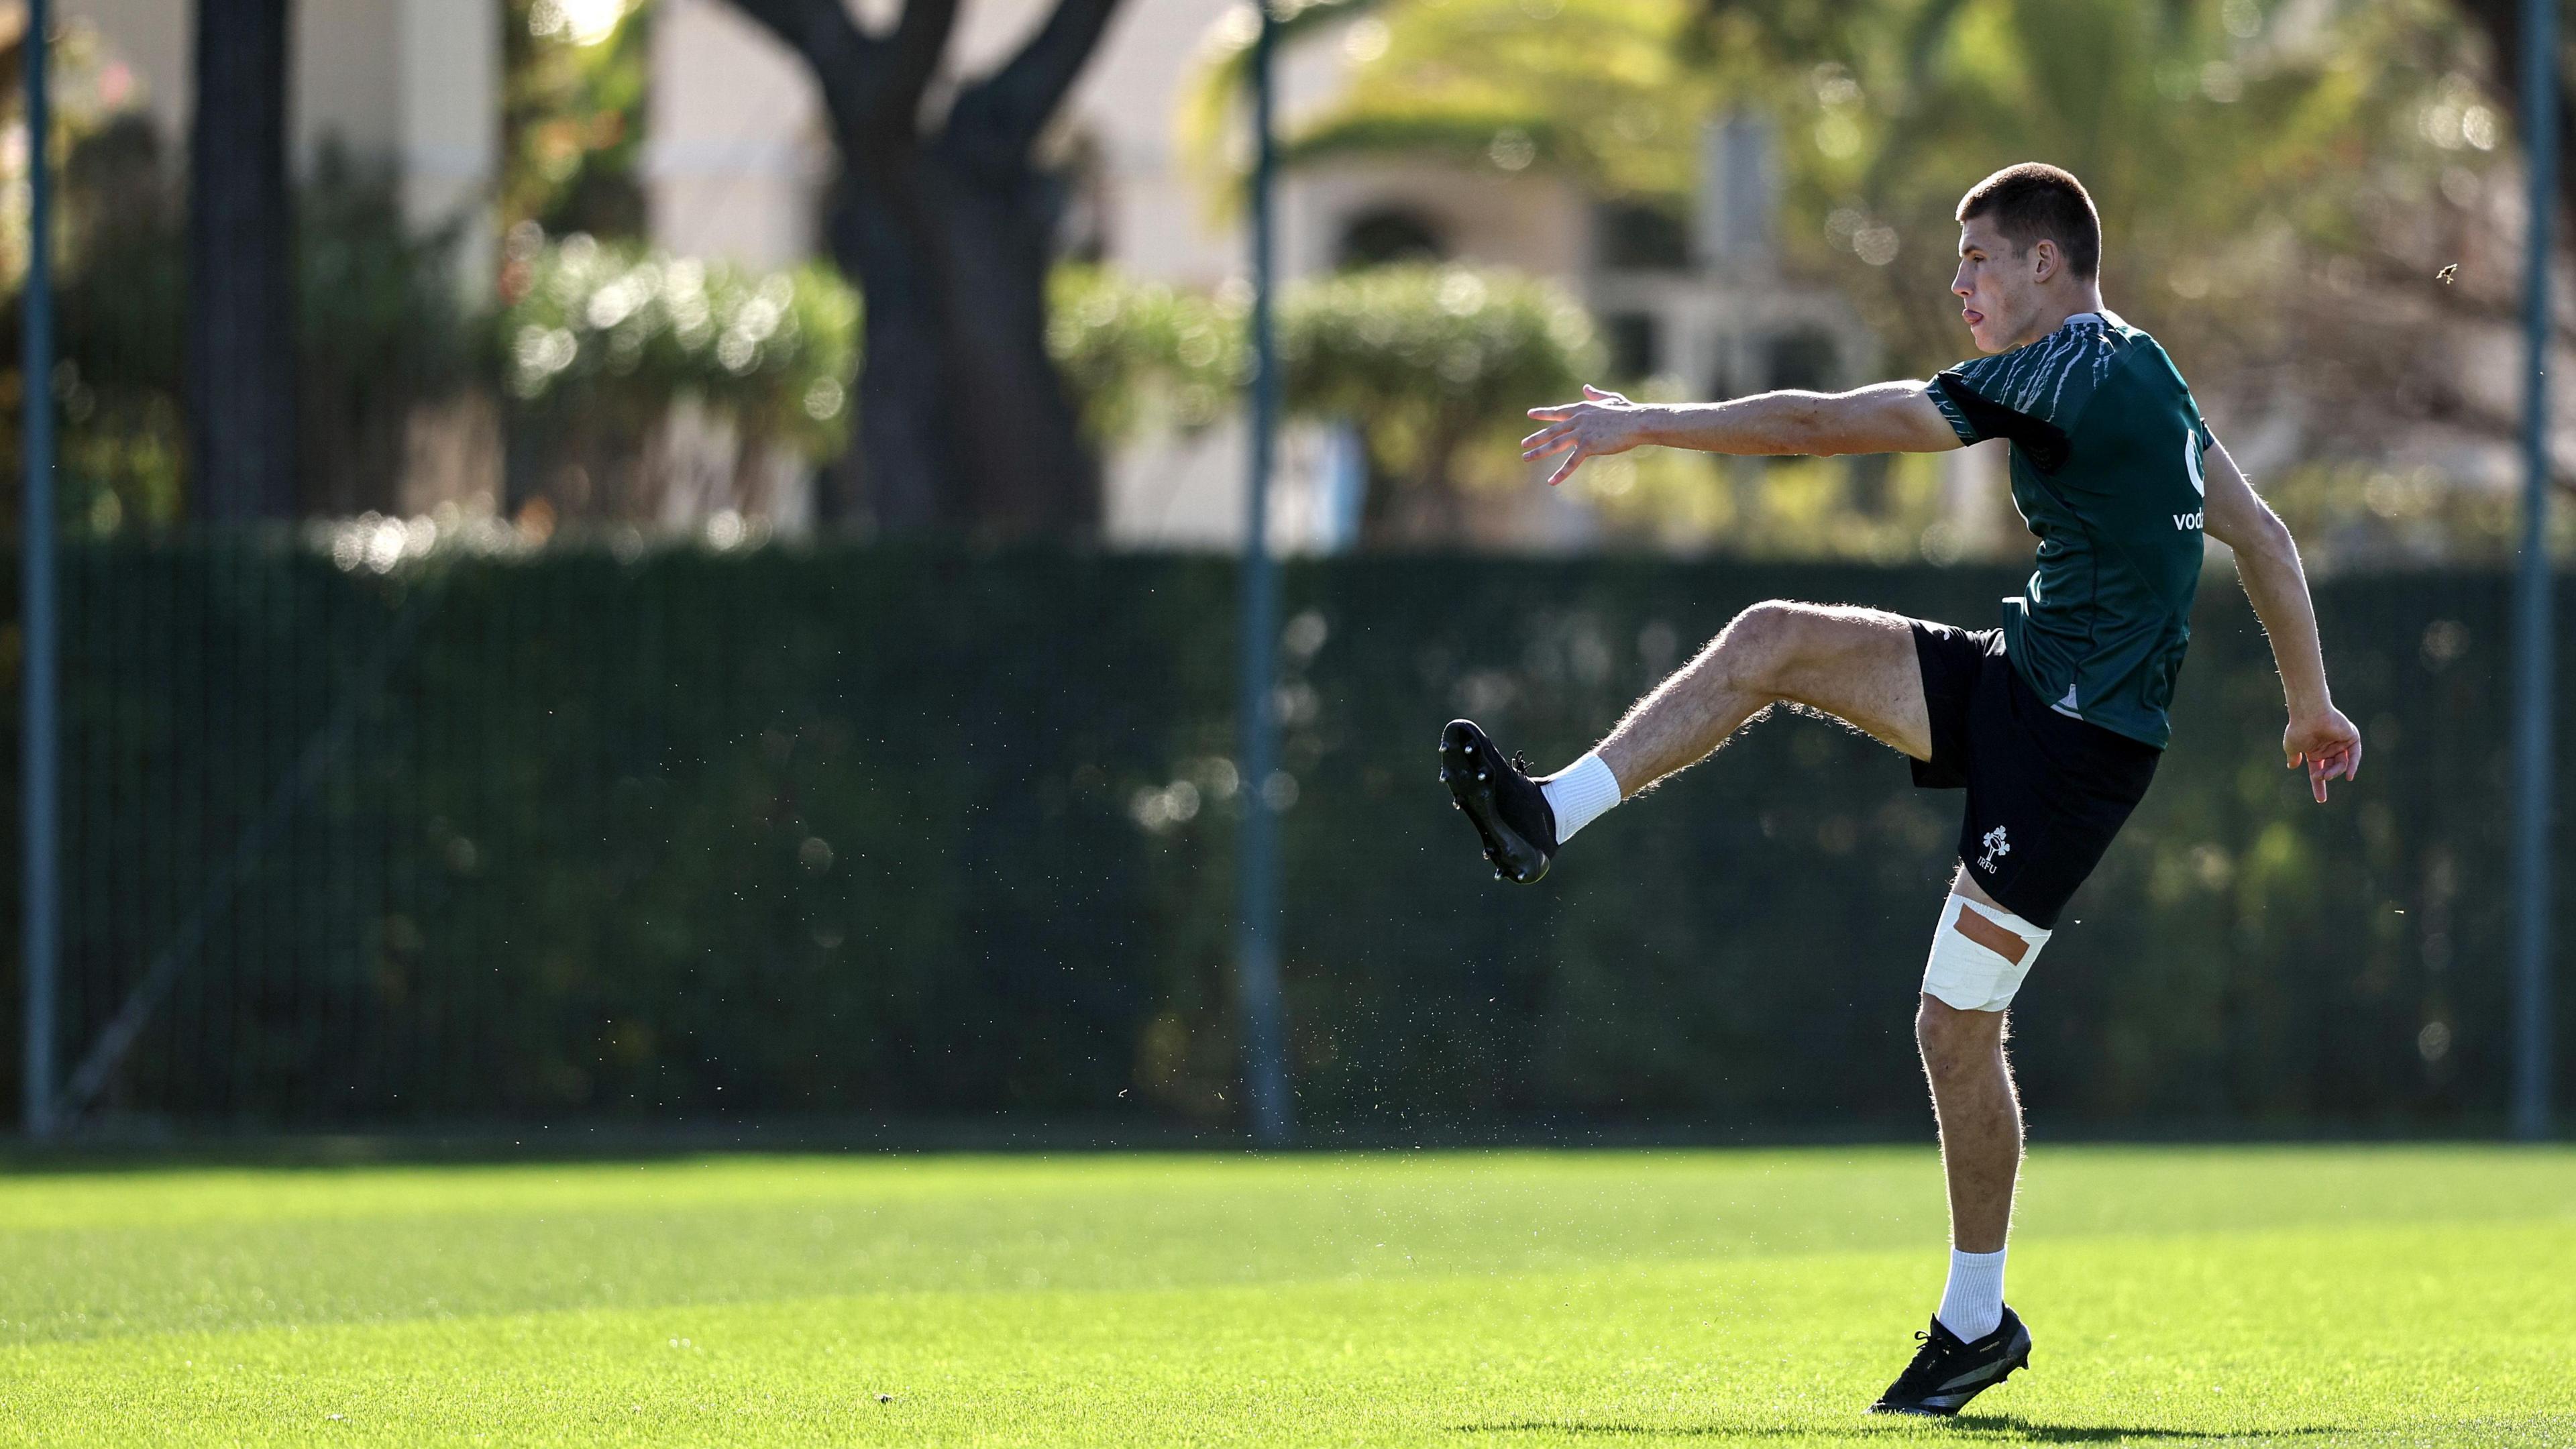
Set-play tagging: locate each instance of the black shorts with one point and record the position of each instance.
(2046, 791)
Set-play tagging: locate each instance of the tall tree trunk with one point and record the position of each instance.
(902, 395)
(241, 291)
(1016, 431)
(949, 232)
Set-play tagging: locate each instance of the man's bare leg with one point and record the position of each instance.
(1856, 664)
(1981, 1136)
(1860, 666)
(1976, 1341)
(1978, 1110)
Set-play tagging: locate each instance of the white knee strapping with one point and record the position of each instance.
(1973, 966)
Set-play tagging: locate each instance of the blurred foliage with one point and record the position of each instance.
(851, 830)
(1607, 90)
(1435, 366)
(2228, 142)
(1432, 365)
(380, 331)
(574, 77)
(2362, 515)
(1885, 510)
(1143, 356)
(2279, 181)
(91, 90)
(2233, 147)
(2268, 172)
(119, 300)
(117, 291)
(596, 341)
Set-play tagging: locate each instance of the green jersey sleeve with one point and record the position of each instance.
(2034, 394)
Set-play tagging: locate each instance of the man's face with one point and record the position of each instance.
(1998, 284)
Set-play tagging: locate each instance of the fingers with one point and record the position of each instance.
(1550, 444)
(2334, 762)
(1573, 461)
(1553, 430)
(1559, 412)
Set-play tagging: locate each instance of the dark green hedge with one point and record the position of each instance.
(869, 830)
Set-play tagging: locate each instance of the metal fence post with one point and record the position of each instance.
(40, 939)
(2534, 648)
(1257, 967)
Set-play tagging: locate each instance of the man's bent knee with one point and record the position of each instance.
(1759, 628)
(1759, 645)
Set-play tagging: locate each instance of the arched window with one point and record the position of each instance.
(1389, 234)
(1633, 237)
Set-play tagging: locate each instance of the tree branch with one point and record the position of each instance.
(820, 32)
(1007, 108)
(920, 39)
(871, 85)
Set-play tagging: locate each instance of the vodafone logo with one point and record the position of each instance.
(2186, 522)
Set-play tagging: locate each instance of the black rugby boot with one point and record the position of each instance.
(1947, 1373)
(1509, 811)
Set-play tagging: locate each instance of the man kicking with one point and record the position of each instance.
(2052, 723)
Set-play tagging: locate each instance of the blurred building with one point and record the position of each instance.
(738, 165)
(410, 84)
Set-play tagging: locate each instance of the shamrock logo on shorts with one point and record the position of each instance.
(1997, 847)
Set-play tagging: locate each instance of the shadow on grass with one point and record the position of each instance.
(2014, 1427)
(2000, 1427)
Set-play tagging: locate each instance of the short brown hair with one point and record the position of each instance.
(2035, 201)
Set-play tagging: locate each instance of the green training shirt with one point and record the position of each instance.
(2106, 445)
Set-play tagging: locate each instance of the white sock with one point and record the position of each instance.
(1973, 1304)
(1580, 794)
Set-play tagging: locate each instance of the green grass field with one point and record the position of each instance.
(2330, 1296)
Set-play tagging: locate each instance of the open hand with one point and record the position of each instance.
(1601, 424)
(2328, 744)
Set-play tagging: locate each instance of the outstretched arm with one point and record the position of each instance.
(2267, 563)
(1891, 417)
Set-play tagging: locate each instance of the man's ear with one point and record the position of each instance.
(2044, 260)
